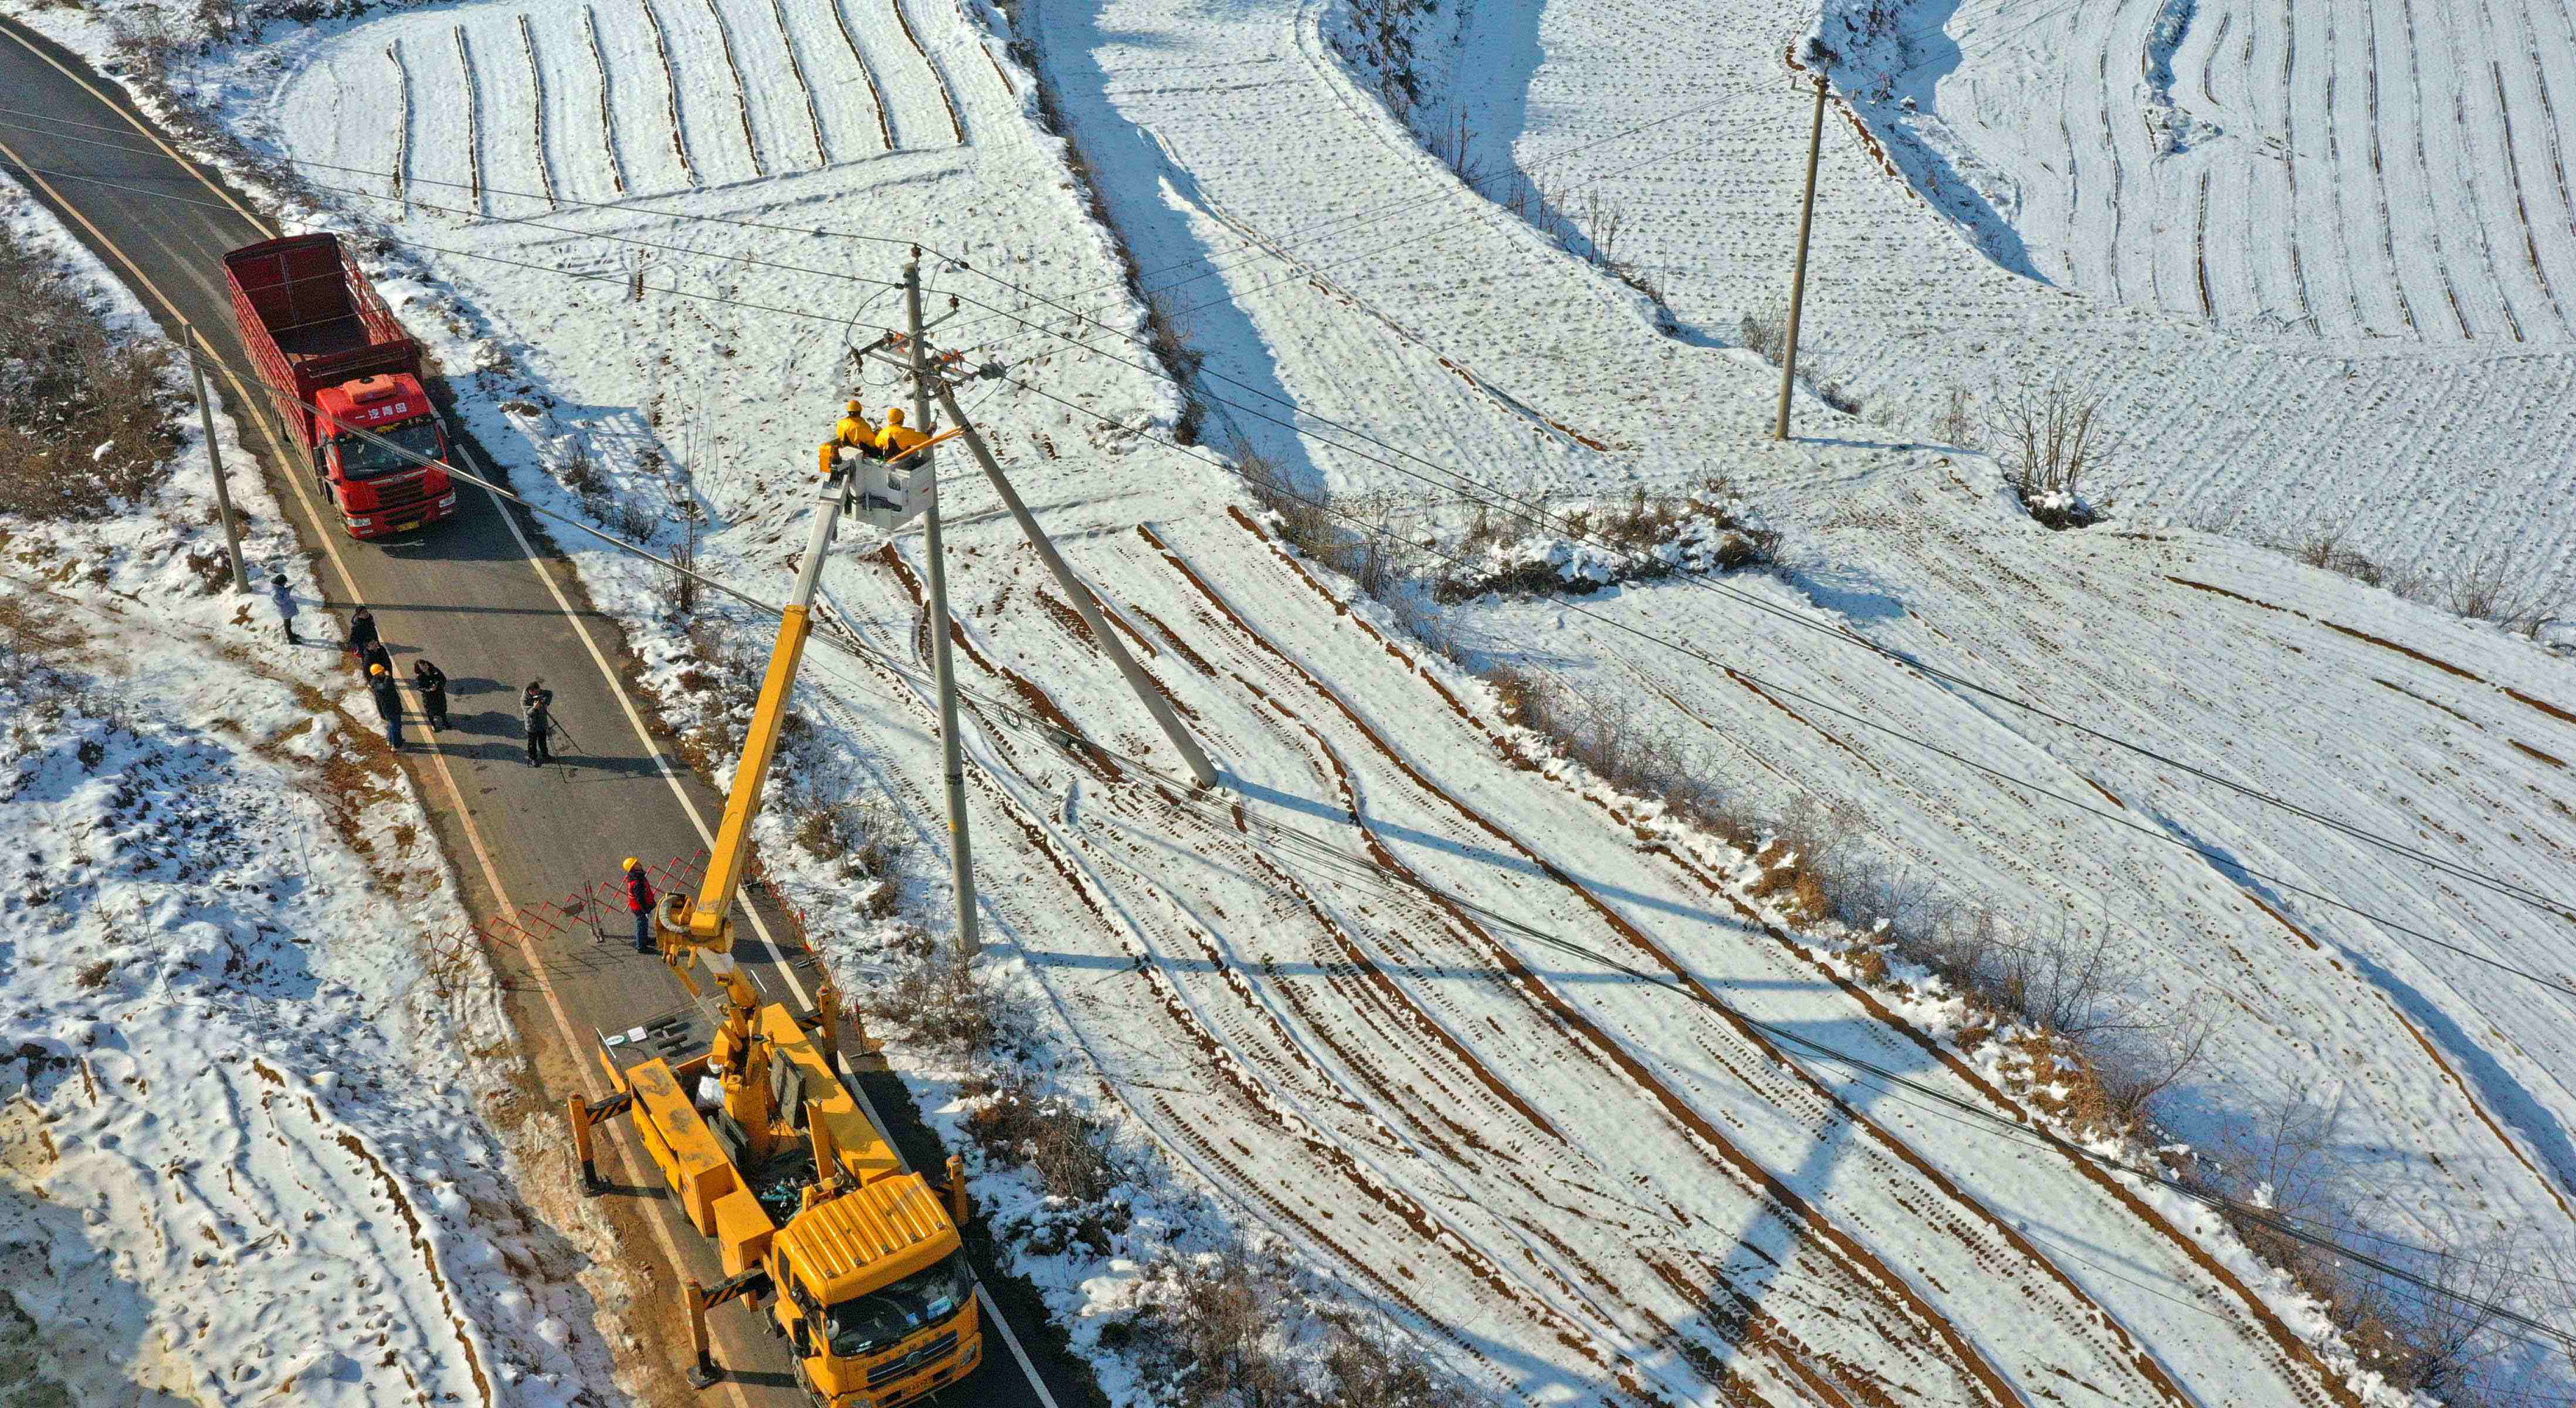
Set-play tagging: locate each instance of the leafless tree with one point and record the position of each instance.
(2044, 434)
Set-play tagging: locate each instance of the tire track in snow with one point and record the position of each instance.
(1861, 1257)
(402, 129)
(741, 91)
(1851, 1263)
(2289, 1351)
(938, 75)
(2379, 173)
(473, 123)
(796, 70)
(2521, 207)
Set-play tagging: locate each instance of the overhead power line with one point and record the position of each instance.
(1182, 793)
(2226, 862)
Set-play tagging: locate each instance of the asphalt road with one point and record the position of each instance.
(484, 597)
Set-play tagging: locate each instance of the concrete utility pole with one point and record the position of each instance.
(1798, 280)
(1080, 595)
(215, 457)
(961, 860)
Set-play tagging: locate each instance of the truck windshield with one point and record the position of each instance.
(361, 458)
(868, 1323)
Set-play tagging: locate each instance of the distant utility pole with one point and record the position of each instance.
(215, 457)
(1798, 280)
(961, 860)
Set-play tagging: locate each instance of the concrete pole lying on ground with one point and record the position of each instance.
(215, 457)
(1137, 680)
(1798, 280)
(961, 860)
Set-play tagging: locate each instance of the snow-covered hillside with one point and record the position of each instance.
(1998, 137)
(2385, 170)
(243, 1148)
(1578, 1185)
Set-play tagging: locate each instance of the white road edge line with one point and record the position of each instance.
(616, 687)
(661, 1214)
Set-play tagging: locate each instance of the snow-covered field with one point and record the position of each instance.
(243, 1148)
(2019, 131)
(1577, 1186)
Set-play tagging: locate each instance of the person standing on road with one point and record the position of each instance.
(380, 683)
(362, 633)
(431, 681)
(640, 899)
(535, 713)
(285, 601)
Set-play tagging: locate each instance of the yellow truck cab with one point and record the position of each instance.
(861, 1340)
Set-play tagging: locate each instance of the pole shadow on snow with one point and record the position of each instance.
(1476, 855)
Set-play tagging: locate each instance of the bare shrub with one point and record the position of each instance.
(2505, 587)
(1957, 424)
(1163, 335)
(2063, 979)
(1302, 517)
(1765, 334)
(2323, 546)
(938, 996)
(1215, 1343)
(1070, 1152)
(1454, 142)
(1655, 534)
(1370, 1372)
(87, 419)
(2045, 437)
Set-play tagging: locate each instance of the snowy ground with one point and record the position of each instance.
(1576, 1186)
(243, 1153)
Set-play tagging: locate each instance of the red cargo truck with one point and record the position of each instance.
(335, 362)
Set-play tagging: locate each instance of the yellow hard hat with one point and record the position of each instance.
(854, 405)
(375, 669)
(894, 415)
(632, 862)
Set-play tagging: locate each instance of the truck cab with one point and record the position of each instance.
(867, 1331)
(378, 491)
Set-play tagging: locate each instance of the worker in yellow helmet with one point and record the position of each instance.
(380, 683)
(640, 898)
(854, 430)
(897, 437)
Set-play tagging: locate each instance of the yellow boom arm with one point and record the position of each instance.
(704, 922)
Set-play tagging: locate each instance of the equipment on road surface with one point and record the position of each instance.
(770, 1154)
(335, 361)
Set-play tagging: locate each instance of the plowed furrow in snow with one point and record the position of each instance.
(1758, 1065)
(1753, 1064)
